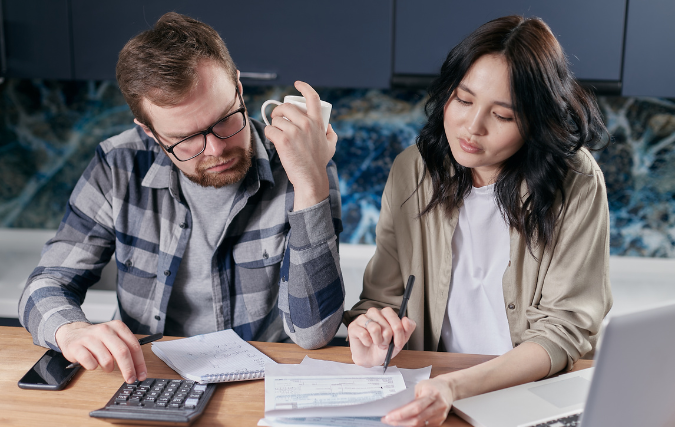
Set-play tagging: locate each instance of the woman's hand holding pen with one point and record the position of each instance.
(371, 333)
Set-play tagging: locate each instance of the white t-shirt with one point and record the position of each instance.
(475, 320)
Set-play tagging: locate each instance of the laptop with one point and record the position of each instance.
(632, 383)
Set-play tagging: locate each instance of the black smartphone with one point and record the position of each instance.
(49, 373)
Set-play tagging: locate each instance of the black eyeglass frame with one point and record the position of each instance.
(206, 132)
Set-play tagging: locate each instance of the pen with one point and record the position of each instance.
(401, 312)
(142, 341)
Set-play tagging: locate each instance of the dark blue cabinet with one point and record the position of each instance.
(591, 32)
(337, 44)
(649, 68)
(37, 39)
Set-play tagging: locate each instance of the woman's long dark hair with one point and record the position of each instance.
(555, 116)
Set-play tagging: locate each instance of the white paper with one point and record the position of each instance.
(413, 376)
(215, 357)
(306, 386)
(378, 408)
(321, 389)
(410, 376)
(323, 422)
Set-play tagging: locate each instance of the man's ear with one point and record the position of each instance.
(145, 129)
(239, 86)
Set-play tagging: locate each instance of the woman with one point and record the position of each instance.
(501, 213)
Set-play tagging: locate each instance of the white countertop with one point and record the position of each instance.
(637, 283)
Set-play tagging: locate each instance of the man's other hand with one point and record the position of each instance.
(304, 147)
(103, 345)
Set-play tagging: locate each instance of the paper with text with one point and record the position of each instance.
(216, 357)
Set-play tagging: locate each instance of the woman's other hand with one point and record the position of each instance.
(433, 400)
(371, 333)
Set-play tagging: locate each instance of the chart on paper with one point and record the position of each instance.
(306, 392)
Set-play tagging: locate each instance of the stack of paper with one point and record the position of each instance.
(321, 393)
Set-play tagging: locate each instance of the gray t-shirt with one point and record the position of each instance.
(191, 309)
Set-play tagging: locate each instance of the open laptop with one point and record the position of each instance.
(632, 383)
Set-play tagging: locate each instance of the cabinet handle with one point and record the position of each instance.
(256, 76)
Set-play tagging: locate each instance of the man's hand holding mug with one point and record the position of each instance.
(305, 142)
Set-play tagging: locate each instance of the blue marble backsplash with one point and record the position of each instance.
(48, 131)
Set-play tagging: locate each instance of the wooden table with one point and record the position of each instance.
(233, 404)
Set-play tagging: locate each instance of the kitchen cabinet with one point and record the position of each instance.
(336, 44)
(591, 32)
(649, 67)
(37, 39)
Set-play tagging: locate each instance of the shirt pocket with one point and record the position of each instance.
(136, 261)
(257, 267)
(260, 253)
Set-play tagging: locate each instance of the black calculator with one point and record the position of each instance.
(158, 402)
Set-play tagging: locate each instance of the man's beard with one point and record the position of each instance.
(234, 174)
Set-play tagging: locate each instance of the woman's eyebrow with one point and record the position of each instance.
(500, 103)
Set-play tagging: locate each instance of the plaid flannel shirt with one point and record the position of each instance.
(274, 267)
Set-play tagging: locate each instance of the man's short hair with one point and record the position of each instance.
(160, 64)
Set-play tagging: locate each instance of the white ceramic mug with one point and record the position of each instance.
(301, 103)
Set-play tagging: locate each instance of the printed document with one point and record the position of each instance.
(321, 390)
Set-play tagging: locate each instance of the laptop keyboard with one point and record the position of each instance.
(573, 420)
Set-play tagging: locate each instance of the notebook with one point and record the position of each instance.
(212, 358)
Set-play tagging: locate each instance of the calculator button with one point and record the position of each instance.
(200, 387)
(177, 400)
(191, 403)
(160, 405)
(122, 398)
(174, 405)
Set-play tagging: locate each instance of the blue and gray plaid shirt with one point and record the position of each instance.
(279, 271)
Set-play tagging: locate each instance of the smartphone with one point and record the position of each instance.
(49, 373)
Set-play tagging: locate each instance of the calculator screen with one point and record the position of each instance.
(50, 369)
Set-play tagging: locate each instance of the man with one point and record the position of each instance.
(212, 226)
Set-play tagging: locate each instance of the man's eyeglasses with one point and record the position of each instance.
(194, 145)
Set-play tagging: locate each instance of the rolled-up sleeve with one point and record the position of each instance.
(574, 278)
(311, 295)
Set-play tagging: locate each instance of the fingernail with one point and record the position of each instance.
(142, 376)
(131, 380)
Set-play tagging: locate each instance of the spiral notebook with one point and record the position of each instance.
(213, 358)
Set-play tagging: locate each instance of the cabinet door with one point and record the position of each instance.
(649, 61)
(338, 44)
(591, 32)
(37, 38)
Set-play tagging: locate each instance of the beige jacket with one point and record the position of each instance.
(557, 300)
